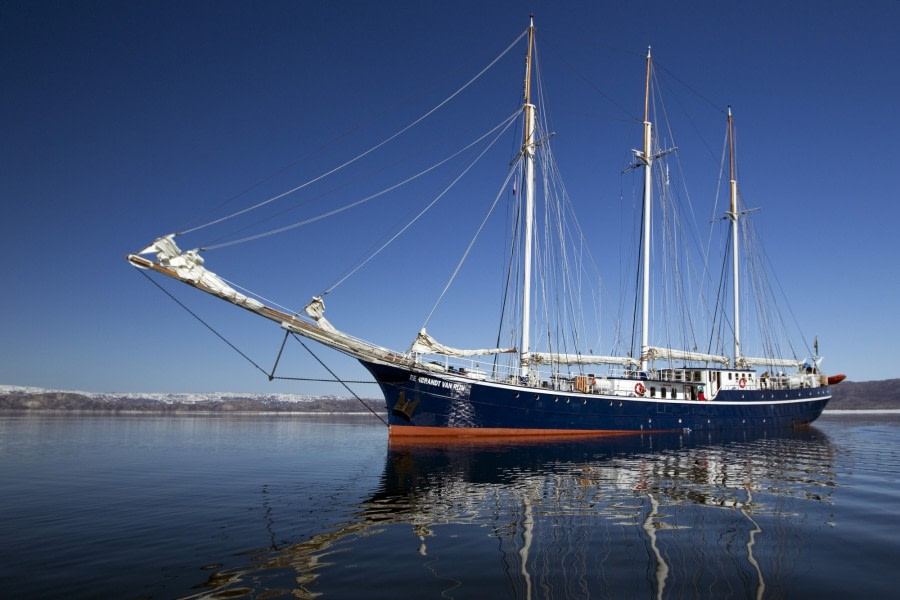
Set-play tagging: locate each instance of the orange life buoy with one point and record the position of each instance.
(639, 388)
(742, 382)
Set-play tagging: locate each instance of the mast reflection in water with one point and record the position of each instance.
(639, 516)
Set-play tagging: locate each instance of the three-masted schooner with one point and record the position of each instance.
(435, 390)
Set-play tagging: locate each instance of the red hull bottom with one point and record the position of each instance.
(502, 432)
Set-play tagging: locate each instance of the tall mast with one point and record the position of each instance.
(733, 215)
(528, 151)
(646, 157)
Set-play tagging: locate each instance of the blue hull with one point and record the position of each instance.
(426, 403)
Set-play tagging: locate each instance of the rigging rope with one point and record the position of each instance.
(367, 152)
(465, 255)
(426, 209)
(504, 124)
(205, 324)
(336, 378)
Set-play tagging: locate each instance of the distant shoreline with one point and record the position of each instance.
(183, 413)
(868, 397)
(862, 411)
(112, 412)
(31, 399)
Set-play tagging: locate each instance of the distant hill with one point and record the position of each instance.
(19, 398)
(859, 395)
(848, 395)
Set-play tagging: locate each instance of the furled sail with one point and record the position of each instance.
(188, 266)
(657, 353)
(747, 361)
(316, 310)
(329, 335)
(538, 358)
(425, 344)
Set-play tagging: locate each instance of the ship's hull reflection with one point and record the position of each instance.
(672, 515)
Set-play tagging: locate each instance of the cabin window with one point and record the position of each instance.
(729, 376)
(662, 392)
(652, 392)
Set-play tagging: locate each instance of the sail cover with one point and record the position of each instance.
(425, 344)
(657, 353)
(538, 358)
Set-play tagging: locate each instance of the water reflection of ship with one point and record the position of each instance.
(651, 515)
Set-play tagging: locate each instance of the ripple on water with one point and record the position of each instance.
(270, 507)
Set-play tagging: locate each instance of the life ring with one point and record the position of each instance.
(639, 388)
(742, 382)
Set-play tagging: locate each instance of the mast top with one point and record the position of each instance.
(528, 62)
(647, 106)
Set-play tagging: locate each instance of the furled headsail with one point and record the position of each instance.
(188, 266)
(425, 344)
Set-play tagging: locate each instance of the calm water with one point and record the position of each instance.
(286, 506)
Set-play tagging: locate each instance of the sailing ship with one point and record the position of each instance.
(547, 386)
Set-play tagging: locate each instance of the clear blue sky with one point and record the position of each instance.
(123, 121)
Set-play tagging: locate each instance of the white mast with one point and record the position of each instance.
(646, 158)
(733, 215)
(528, 151)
